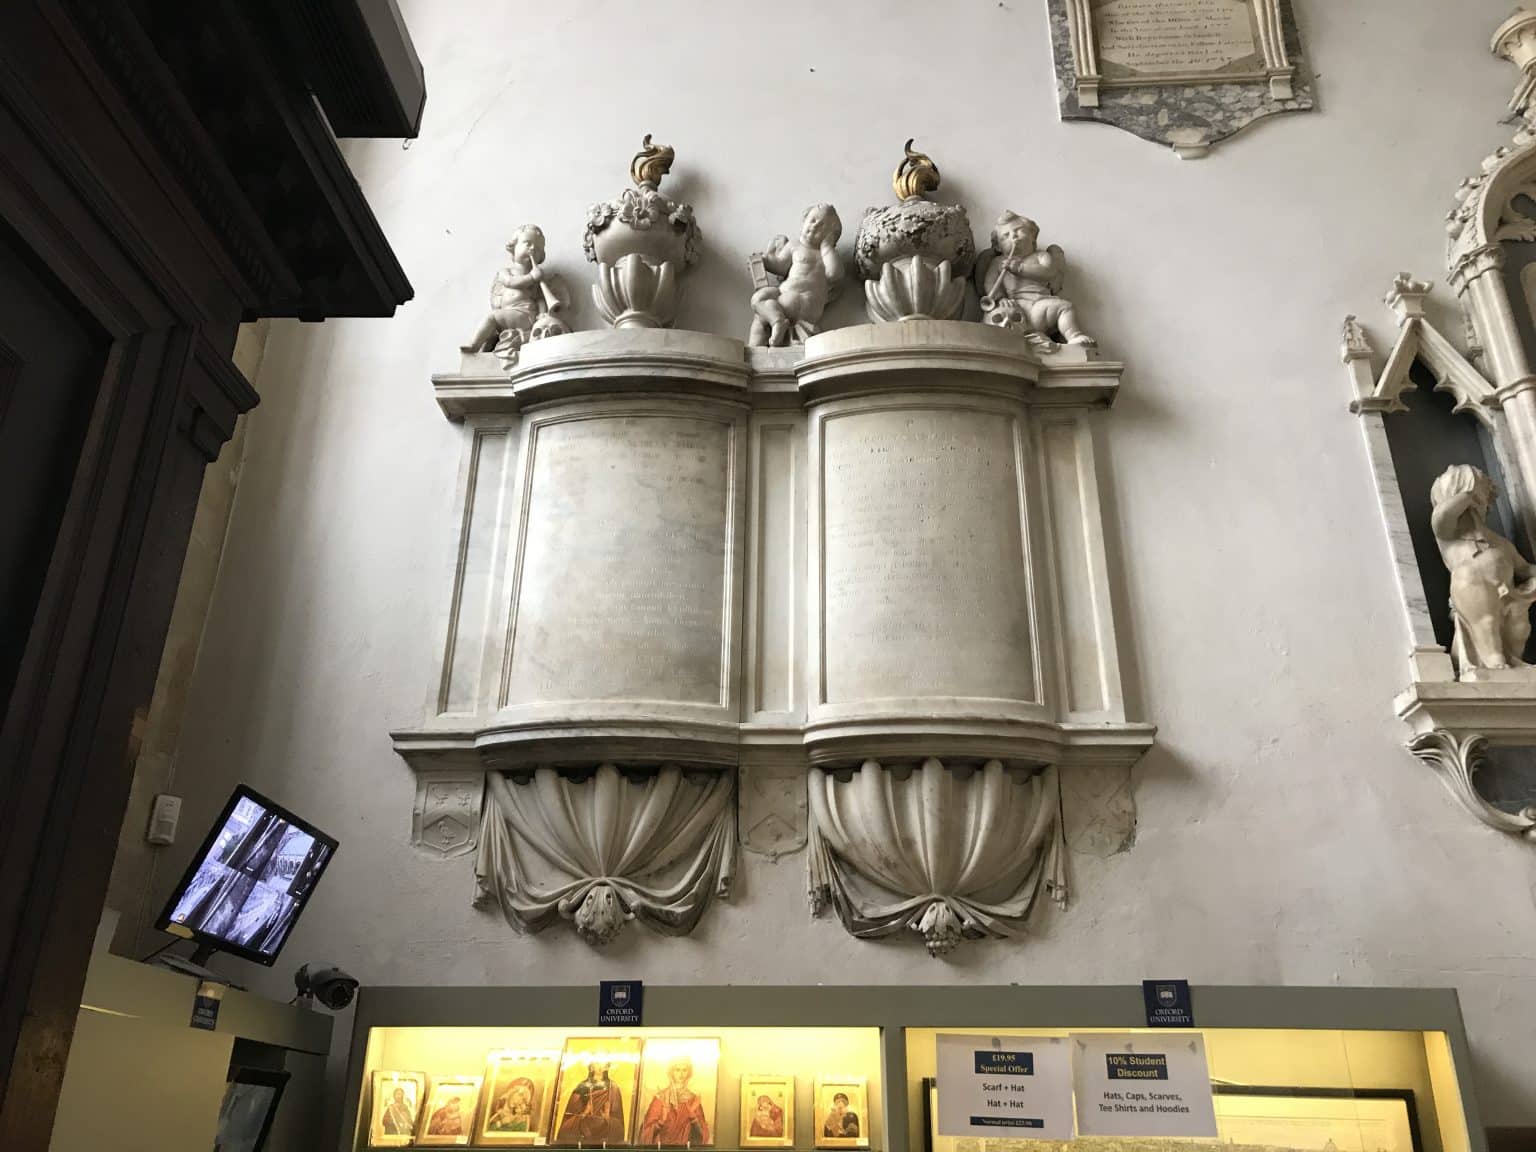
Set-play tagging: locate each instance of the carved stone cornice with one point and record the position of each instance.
(916, 353)
(1469, 266)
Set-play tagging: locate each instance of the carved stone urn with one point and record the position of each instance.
(915, 255)
(642, 242)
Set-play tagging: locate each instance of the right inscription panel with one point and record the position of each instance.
(926, 586)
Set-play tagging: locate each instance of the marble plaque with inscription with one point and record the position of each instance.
(622, 593)
(1186, 73)
(925, 581)
(1173, 37)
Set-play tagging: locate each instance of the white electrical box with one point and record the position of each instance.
(163, 818)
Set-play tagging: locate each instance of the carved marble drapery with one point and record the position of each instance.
(654, 846)
(950, 852)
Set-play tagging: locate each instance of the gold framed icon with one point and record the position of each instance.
(767, 1111)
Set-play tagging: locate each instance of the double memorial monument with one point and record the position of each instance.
(864, 570)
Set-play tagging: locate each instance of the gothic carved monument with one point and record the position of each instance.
(1460, 533)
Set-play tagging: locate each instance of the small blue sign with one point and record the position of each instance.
(205, 1005)
(618, 1002)
(1169, 1004)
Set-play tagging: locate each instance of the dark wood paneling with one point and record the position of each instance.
(163, 174)
(1512, 1140)
(51, 357)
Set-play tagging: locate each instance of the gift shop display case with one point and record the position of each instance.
(1322, 1070)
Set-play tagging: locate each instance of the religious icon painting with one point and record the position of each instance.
(449, 1117)
(518, 1097)
(678, 1081)
(397, 1098)
(598, 1086)
(842, 1113)
(767, 1111)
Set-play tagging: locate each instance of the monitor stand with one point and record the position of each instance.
(195, 965)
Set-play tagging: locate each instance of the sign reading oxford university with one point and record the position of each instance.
(619, 1003)
(1169, 1003)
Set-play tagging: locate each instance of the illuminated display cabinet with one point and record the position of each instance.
(1330, 1070)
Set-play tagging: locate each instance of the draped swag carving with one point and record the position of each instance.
(603, 847)
(952, 852)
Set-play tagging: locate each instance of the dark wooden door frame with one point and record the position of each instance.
(107, 194)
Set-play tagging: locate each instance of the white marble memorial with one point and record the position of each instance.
(1186, 73)
(885, 544)
(682, 558)
(1460, 703)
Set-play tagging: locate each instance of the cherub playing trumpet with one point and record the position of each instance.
(525, 303)
(1019, 286)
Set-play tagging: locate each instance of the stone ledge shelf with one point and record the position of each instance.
(865, 355)
(886, 544)
(1503, 712)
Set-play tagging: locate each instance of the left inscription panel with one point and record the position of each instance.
(626, 560)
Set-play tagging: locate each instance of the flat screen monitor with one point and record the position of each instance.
(243, 891)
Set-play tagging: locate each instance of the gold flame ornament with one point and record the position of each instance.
(651, 163)
(915, 176)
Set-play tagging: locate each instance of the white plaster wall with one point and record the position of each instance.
(1285, 836)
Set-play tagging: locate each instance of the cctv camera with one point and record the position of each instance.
(326, 983)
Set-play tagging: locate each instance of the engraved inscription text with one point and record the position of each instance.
(1175, 36)
(926, 590)
(624, 562)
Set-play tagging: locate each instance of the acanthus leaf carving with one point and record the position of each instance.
(1456, 759)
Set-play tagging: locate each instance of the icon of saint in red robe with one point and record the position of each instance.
(676, 1115)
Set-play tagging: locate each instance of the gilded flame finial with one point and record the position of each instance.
(916, 175)
(651, 163)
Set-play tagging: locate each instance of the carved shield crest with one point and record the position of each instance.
(773, 809)
(446, 819)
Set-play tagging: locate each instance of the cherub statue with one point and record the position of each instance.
(525, 303)
(1492, 585)
(811, 275)
(1019, 286)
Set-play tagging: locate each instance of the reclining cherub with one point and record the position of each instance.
(1019, 285)
(788, 312)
